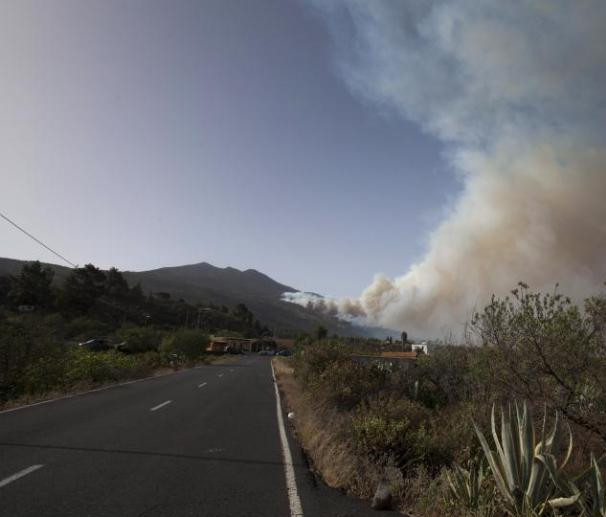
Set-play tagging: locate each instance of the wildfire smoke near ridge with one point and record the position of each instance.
(515, 93)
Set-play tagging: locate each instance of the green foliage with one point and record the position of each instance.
(32, 286)
(386, 427)
(541, 346)
(470, 487)
(591, 483)
(523, 468)
(139, 339)
(82, 288)
(37, 350)
(82, 328)
(321, 332)
(186, 344)
(346, 384)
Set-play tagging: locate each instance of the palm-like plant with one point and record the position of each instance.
(519, 463)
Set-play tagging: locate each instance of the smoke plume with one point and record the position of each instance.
(517, 93)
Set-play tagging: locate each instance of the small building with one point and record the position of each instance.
(425, 347)
(224, 343)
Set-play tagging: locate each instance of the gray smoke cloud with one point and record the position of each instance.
(516, 91)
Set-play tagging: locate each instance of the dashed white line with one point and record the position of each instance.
(291, 483)
(161, 405)
(220, 375)
(102, 388)
(231, 369)
(202, 385)
(20, 474)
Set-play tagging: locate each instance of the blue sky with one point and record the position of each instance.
(150, 133)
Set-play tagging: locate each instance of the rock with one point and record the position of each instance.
(382, 498)
(291, 416)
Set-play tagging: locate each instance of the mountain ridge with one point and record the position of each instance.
(204, 283)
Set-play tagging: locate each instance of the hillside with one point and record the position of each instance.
(205, 283)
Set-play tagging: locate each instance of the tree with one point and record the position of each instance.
(32, 286)
(82, 288)
(543, 348)
(5, 287)
(321, 332)
(242, 313)
(115, 285)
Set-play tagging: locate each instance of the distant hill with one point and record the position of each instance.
(205, 283)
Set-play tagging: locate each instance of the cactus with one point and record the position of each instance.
(524, 470)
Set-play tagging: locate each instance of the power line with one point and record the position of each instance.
(37, 240)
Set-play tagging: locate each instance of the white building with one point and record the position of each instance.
(427, 347)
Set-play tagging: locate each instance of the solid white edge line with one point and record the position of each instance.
(202, 385)
(161, 405)
(291, 483)
(19, 474)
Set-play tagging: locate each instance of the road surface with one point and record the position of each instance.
(200, 442)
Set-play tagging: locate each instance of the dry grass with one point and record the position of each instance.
(322, 434)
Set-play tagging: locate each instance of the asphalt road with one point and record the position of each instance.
(201, 442)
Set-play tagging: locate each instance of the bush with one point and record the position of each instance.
(186, 344)
(345, 384)
(98, 367)
(140, 339)
(85, 328)
(407, 433)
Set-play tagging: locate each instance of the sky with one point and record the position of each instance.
(515, 92)
(146, 133)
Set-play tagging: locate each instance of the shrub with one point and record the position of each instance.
(85, 328)
(140, 339)
(186, 344)
(346, 384)
(311, 361)
(403, 430)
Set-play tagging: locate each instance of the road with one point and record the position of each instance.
(203, 442)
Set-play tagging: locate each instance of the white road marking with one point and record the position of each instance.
(291, 483)
(103, 388)
(202, 385)
(231, 369)
(20, 474)
(161, 405)
(220, 375)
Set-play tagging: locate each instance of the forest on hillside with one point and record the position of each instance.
(41, 325)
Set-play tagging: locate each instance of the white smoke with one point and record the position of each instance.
(518, 91)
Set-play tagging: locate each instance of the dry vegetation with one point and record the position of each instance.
(360, 424)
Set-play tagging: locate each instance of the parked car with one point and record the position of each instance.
(95, 345)
(284, 352)
(123, 347)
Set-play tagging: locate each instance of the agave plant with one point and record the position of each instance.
(520, 463)
(465, 485)
(589, 485)
(594, 503)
